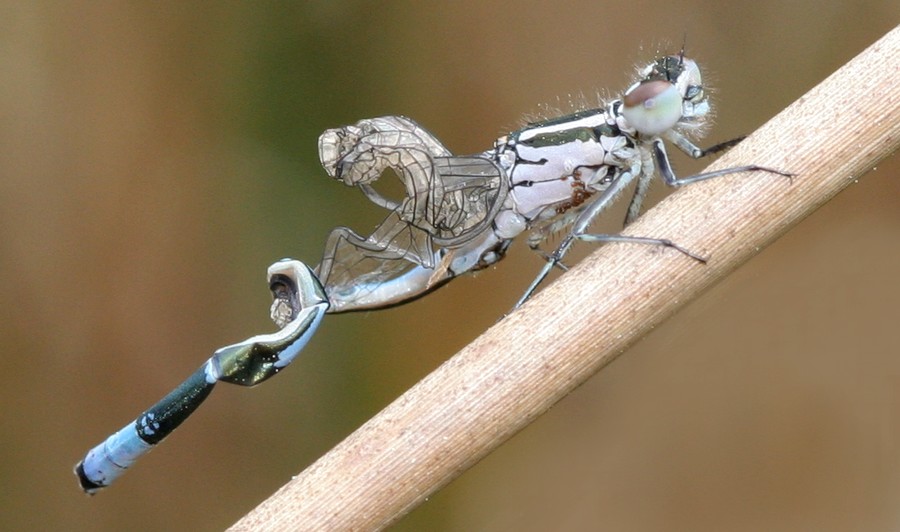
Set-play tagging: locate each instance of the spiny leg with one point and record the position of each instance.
(554, 259)
(640, 191)
(580, 225)
(665, 168)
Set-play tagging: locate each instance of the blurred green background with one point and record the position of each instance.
(156, 157)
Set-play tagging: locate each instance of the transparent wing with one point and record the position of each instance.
(450, 201)
(474, 189)
(362, 276)
(447, 202)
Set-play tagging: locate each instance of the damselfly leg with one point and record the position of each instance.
(661, 160)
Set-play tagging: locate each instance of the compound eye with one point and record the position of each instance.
(652, 107)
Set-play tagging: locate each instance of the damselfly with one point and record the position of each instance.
(458, 214)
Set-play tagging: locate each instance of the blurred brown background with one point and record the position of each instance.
(157, 157)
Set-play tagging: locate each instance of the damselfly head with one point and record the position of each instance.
(669, 93)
